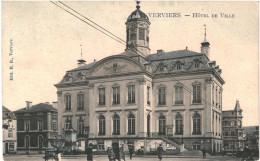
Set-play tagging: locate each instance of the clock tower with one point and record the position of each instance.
(137, 32)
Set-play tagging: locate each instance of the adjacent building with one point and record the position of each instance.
(37, 126)
(144, 99)
(251, 135)
(9, 131)
(232, 129)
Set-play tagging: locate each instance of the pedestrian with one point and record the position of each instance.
(111, 155)
(224, 152)
(117, 153)
(159, 152)
(122, 152)
(204, 153)
(90, 153)
(246, 153)
(131, 151)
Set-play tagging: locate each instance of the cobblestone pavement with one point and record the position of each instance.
(104, 158)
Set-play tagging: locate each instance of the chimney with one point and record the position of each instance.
(28, 105)
(160, 51)
(55, 105)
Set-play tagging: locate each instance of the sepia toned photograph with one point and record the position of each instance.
(133, 80)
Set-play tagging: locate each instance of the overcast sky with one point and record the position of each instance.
(46, 43)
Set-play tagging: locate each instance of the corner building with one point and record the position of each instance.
(144, 99)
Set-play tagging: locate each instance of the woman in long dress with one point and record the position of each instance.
(122, 152)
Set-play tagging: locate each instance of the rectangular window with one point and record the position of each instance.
(196, 94)
(101, 146)
(54, 125)
(131, 94)
(80, 128)
(116, 95)
(27, 125)
(40, 125)
(148, 95)
(80, 102)
(141, 33)
(79, 144)
(162, 99)
(68, 102)
(133, 36)
(101, 96)
(178, 95)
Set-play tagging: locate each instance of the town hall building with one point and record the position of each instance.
(144, 99)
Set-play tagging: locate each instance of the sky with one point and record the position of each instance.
(46, 43)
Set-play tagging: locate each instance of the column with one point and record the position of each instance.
(141, 111)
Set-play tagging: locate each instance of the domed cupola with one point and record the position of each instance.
(137, 32)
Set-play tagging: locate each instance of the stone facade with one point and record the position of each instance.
(142, 99)
(9, 130)
(232, 129)
(37, 126)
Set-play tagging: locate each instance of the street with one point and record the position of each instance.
(103, 158)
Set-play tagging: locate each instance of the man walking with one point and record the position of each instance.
(204, 153)
(131, 151)
(159, 152)
(89, 153)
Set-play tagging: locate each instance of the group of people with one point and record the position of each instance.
(113, 154)
(116, 153)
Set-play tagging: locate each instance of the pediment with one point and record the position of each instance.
(115, 66)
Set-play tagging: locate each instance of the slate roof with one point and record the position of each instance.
(7, 114)
(84, 67)
(137, 14)
(172, 55)
(41, 107)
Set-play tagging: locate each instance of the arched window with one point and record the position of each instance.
(68, 102)
(27, 141)
(179, 125)
(102, 125)
(80, 127)
(196, 64)
(80, 101)
(162, 125)
(196, 124)
(40, 139)
(131, 124)
(116, 125)
(141, 33)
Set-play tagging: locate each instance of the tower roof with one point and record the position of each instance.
(237, 107)
(205, 42)
(138, 15)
